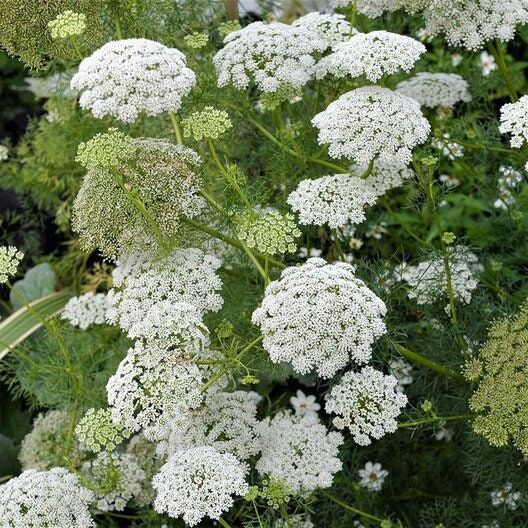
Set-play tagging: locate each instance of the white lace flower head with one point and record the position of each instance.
(225, 421)
(384, 177)
(367, 403)
(436, 89)
(470, 23)
(370, 8)
(87, 310)
(373, 55)
(268, 55)
(320, 317)
(123, 471)
(45, 498)
(514, 121)
(428, 279)
(199, 483)
(372, 122)
(126, 77)
(299, 451)
(332, 28)
(151, 382)
(335, 200)
(141, 282)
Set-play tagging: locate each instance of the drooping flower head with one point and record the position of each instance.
(367, 403)
(53, 498)
(373, 55)
(126, 77)
(109, 210)
(372, 122)
(319, 317)
(436, 89)
(199, 483)
(269, 56)
(299, 451)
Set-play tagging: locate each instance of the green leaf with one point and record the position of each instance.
(22, 323)
(38, 282)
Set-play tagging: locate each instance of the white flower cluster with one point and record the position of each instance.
(508, 181)
(436, 89)
(335, 200)
(53, 498)
(372, 476)
(126, 77)
(141, 282)
(514, 121)
(372, 121)
(225, 421)
(269, 55)
(199, 483)
(123, 474)
(299, 451)
(87, 310)
(373, 55)
(152, 381)
(449, 149)
(370, 8)
(10, 258)
(428, 281)
(332, 28)
(172, 325)
(506, 496)
(319, 316)
(470, 23)
(366, 402)
(295, 521)
(384, 177)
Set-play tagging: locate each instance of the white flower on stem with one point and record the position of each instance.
(304, 404)
(443, 433)
(487, 63)
(401, 370)
(372, 476)
(506, 496)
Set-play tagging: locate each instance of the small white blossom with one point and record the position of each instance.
(370, 8)
(320, 317)
(505, 496)
(373, 55)
(401, 370)
(514, 121)
(443, 433)
(436, 89)
(299, 451)
(295, 521)
(487, 63)
(372, 122)
(87, 310)
(126, 77)
(119, 470)
(304, 253)
(456, 59)
(449, 180)
(199, 483)
(4, 152)
(366, 402)
(10, 258)
(53, 498)
(304, 404)
(332, 28)
(268, 55)
(372, 476)
(449, 149)
(333, 200)
(510, 177)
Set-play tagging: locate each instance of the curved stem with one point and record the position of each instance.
(175, 120)
(224, 523)
(415, 423)
(427, 363)
(344, 505)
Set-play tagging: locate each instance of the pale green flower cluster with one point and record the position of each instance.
(10, 258)
(285, 93)
(269, 232)
(501, 373)
(196, 40)
(67, 24)
(210, 123)
(229, 27)
(106, 150)
(98, 432)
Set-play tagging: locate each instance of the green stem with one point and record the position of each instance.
(330, 165)
(175, 120)
(369, 170)
(337, 245)
(414, 423)
(496, 50)
(483, 147)
(119, 32)
(427, 363)
(76, 47)
(224, 523)
(351, 509)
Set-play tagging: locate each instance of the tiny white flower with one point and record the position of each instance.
(456, 59)
(304, 253)
(449, 179)
(401, 370)
(506, 496)
(304, 404)
(372, 476)
(443, 433)
(487, 63)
